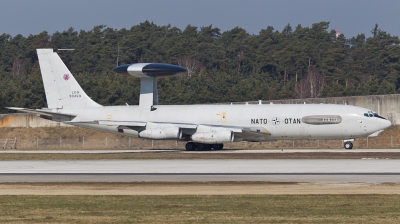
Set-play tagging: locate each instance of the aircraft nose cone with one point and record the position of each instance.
(162, 70)
(387, 124)
(123, 69)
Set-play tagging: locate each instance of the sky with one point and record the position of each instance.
(351, 17)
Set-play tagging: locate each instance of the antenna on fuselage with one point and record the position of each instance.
(63, 50)
(148, 74)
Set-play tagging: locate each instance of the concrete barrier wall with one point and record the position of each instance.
(27, 120)
(387, 106)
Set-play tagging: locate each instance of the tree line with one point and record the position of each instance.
(228, 66)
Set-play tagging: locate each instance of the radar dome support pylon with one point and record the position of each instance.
(148, 92)
(148, 73)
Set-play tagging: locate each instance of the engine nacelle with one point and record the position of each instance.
(161, 133)
(214, 137)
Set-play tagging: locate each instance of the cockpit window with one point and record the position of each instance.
(368, 115)
(373, 114)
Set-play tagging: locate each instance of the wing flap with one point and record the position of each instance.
(123, 123)
(257, 131)
(140, 124)
(257, 134)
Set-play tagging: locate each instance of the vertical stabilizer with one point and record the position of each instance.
(62, 90)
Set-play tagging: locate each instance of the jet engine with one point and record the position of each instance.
(161, 133)
(213, 137)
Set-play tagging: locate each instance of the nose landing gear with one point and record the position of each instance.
(348, 145)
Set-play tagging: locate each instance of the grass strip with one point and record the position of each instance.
(203, 209)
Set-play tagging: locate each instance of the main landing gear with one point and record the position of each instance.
(191, 146)
(348, 145)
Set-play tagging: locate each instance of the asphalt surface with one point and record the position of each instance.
(272, 170)
(189, 152)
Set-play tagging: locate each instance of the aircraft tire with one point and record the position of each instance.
(218, 146)
(190, 146)
(200, 146)
(348, 145)
(203, 147)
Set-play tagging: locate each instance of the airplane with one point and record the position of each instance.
(203, 127)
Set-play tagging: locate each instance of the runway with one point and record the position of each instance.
(273, 170)
(191, 152)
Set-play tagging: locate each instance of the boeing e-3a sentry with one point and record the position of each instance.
(201, 126)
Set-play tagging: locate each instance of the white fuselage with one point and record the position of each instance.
(283, 121)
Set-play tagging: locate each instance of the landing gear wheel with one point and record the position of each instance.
(190, 146)
(203, 147)
(218, 146)
(200, 146)
(348, 145)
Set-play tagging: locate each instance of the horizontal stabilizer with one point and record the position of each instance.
(46, 114)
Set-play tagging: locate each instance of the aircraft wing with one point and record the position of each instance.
(140, 124)
(244, 133)
(45, 114)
